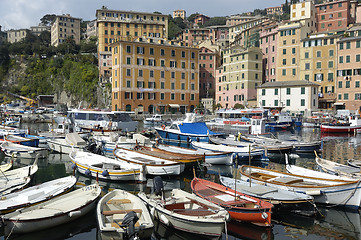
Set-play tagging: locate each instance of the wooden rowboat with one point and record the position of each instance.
(112, 210)
(53, 212)
(240, 206)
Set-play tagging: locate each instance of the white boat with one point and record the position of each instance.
(213, 158)
(101, 120)
(283, 200)
(240, 153)
(6, 166)
(72, 141)
(21, 151)
(105, 168)
(36, 194)
(109, 142)
(16, 179)
(270, 145)
(53, 212)
(112, 210)
(325, 191)
(155, 119)
(354, 163)
(338, 169)
(186, 212)
(153, 165)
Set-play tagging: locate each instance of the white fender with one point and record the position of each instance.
(74, 214)
(164, 219)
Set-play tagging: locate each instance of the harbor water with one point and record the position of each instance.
(331, 223)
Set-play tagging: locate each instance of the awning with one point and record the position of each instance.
(174, 105)
(339, 104)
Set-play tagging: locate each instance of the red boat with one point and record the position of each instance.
(353, 123)
(241, 207)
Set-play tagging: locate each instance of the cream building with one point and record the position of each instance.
(64, 27)
(16, 35)
(179, 13)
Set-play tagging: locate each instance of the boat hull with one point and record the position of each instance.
(339, 129)
(58, 146)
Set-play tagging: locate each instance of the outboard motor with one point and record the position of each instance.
(129, 222)
(158, 186)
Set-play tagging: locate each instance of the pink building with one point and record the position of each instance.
(268, 44)
(348, 88)
(201, 19)
(220, 94)
(209, 61)
(333, 15)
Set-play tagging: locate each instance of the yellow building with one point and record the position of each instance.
(179, 13)
(154, 75)
(113, 25)
(318, 63)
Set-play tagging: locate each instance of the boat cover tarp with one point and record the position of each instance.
(197, 128)
(74, 139)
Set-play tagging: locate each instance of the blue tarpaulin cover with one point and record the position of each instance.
(199, 128)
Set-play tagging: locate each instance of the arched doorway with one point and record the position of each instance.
(151, 109)
(191, 108)
(140, 109)
(128, 108)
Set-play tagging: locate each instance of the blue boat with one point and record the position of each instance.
(192, 128)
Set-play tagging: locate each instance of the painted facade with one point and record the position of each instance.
(64, 27)
(268, 43)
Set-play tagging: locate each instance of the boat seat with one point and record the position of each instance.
(112, 212)
(118, 201)
(116, 224)
(287, 180)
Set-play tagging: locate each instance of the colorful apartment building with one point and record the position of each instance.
(201, 19)
(268, 39)
(209, 61)
(334, 15)
(37, 30)
(221, 35)
(318, 63)
(237, 29)
(275, 10)
(194, 36)
(238, 19)
(16, 35)
(179, 13)
(242, 73)
(64, 27)
(220, 94)
(293, 96)
(348, 87)
(113, 25)
(154, 75)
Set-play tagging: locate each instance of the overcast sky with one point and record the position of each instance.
(16, 14)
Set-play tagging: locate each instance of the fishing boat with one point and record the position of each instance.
(270, 145)
(153, 165)
(240, 206)
(32, 142)
(185, 211)
(353, 123)
(192, 128)
(51, 213)
(18, 178)
(188, 160)
(109, 142)
(105, 168)
(6, 166)
(213, 158)
(283, 200)
(339, 169)
(240, 153)
(334, 192)
(21, 151)
(68, 144)
(35, 194)
(155, 119)
(116, 210)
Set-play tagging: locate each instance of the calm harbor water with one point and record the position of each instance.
(331, 224)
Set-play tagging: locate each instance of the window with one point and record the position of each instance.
(276, 91)
(276, 102)
(340, 59)
(347, 84)
(294, 71)
(293, 50)
(318, 65)
(284, 61)
(288, 102)
(303, 90)
(288, 91)
(358, 43)
(172, 85)
(307, 77)
(140, 95)
(330, 53)
(172, 96)
(263, 102)
(162, 52)
(172, 74)
(341, 46)
(263, 92)
(140, 50)
(140, 73)
(151, 73)
(330, 77)
(128, 72)
(307, 66)
(162, 74)
(284, 51)
(318, 53)
(128, 60)
(293, 60)
(339, 84)
(357, 84)
(345, 96)
(330, 64)
(283, 72)
(348, 58)
(302, 102)
(151, 51)
(129, 49)
(307, 54)
(128, 84)
(357, 57)
(348, 45)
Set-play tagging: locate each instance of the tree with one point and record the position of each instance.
(238, 106)
(47, 19)
(215, 21)
(192, 16)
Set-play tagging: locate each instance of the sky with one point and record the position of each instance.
(18, 14)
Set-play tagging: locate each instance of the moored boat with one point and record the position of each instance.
(354, 123)
(240, 206)
(68, 144)
(185, 211)
(153, 165)
(339, 169)
(53, 212)
(112, 211)
(21, 151)
(105, 168)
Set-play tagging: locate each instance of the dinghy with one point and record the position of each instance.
(53, 212)
(117, 208)
(240, 206)
(153, 165)
(21, 151)
(185, 211)
(338, 169)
